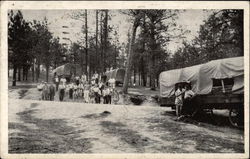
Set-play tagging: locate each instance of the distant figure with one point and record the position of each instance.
(71, 90)
(52, 92)
(63, 80)
(77, 80)
(91, 95)
(116, 97)
(83, 79)
(97, 93)
(105, 94)
(179, 92)
(56, 80)
(111, 82)
(45, 92)
(75, 91)
(61, 91)
(188, 95)
(86, 93)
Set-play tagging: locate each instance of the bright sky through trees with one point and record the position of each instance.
(188, 20)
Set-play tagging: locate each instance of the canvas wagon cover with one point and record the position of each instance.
(201, 76)
(68, 69)
(117, 74)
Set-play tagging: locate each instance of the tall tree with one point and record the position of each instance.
(159, 33)
(86, 45)
(137, 14)
(18, 33)
(96, 42)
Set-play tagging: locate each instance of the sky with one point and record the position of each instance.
(188, 20)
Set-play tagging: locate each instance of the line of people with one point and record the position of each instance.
(80, 89)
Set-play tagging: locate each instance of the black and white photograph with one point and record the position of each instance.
(126, 81)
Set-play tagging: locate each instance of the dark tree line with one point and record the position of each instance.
(221, 36)
(100, 51)
(144, 56)
(31, 45)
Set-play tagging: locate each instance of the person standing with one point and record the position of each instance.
(86, 93)
(56, 81)
(188, 95)
(63, 80)
(97, 93)
(51, 92)
(111, 82)
(77, 79)
(61, 90)
(108, 92)
(179, 92)
(116, 97)
(71, 90)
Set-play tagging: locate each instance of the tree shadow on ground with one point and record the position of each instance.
(182, 136)
(46, 136)
(131, 137)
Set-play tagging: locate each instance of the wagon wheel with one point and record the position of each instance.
(236, 117)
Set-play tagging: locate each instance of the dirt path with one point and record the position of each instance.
(64, 127)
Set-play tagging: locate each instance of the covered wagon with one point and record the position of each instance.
(117, 74)
(218, 84)
(67, 70)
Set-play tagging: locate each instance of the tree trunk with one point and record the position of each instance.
(19, 74)
(152, 72)
(47, 74)
(33, 71)
(105, 49)
(14, 76)
(86, 45)
(38, 71)
(130, 56)
(134, 75)
(101, 39)
(96, 41)
(24, 73)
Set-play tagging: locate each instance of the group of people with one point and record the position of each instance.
(183, 96)
(78, 88)
(48, 91)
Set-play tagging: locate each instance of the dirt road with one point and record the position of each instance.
(64, 127)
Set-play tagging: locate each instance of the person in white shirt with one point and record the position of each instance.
(63, 80)
(111, 82)
(86, 93)
(179, 99)
(75, 92)
(83, 79)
